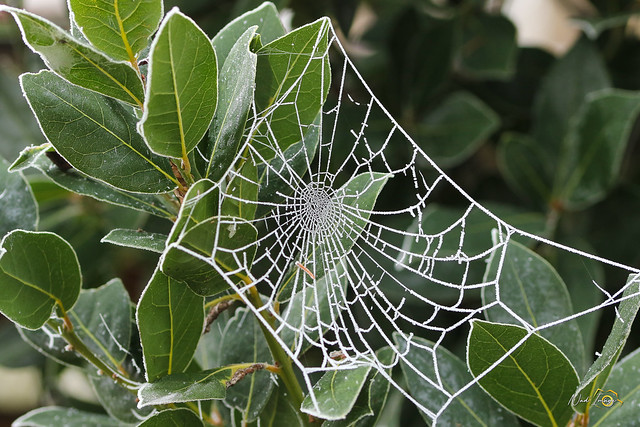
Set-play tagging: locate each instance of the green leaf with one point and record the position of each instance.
(18, 207)
(38, 270)
(265, 17)
(17, 353)
(595, 146)
(217, 239)
(119, 29)
(241, 197)
(243, 342)
(235, 97)
(119, 402)
(280, 412)
(77, 63)
(422, 369)
(624, 384)
(170, 318)
(54, 416)
(96, 135)
(535, 380)
(173, 417)
(532, 289)
(292, 81)
(138, 239)
(48, 342)
(79, 183)
(445, 140)
(596, 376)
(200, 203)
(181, 90)
(488, 46)
(335, 393)
(102, 320)
(186, 387)
(525, 167)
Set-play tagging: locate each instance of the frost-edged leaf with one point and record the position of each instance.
(18, 207)
(186, 387)
(235, 97)
(292, 81)
(595, 146)
(534, 380)
(454, 130)
(423, 370)
(176, 417)
(54, 416)
(181, 90)
(102, 320)
(335, 393)
(241, 198)
(79, 183)
(138, 239)
(243, 342)
(49, 342)
(119, 402)
(121, 29)
(38, 270)
(265, 17)
(280, 412)
(533, 290)
(76, 62)
(170, 319)
(96, 135)
(200, 203)
(226, 240)
(596, 376)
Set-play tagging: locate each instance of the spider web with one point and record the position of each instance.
(341, 277)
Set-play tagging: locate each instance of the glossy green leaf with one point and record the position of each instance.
(535, 380)
(335, 393)
(292, 81)
(181, 89)
(595, 146)
(96, 135)
(38, 270)
(170, 319)
(119, 402)
(243, 342)
(456, 128)
(55, 416)
(18, 207)
(280, 412)
(531, 288)
(186, 387)
(173, 417)
(79, 183)
(213, 239)
(121, 29)
(76, 62)
(623, 382)
(200, 203)
(596, 376)
(241, 196)
(524, 166)
(265, 17)
(138, 239)
(235, 97)
(48, 342)
(488, 46)
(102, 320)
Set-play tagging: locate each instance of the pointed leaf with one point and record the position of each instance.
(96, 135)
(138, 239)
(186, 387)
(76, 62)
(241, 199)
(235, 97)
(181, 89)
(535, 380)
(53, 416)
(471, 408)
(533, 290)
(335, 393)
(596, 376)
(38, 270)
(18, 207)
(176, 417)
(170, 318)
(120, 29)
(292, 82)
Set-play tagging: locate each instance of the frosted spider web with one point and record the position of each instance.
(341, 279)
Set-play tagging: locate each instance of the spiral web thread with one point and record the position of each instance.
(358, 270)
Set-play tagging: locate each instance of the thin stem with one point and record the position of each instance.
(217, 301)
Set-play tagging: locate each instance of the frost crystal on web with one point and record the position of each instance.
(342, 277)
